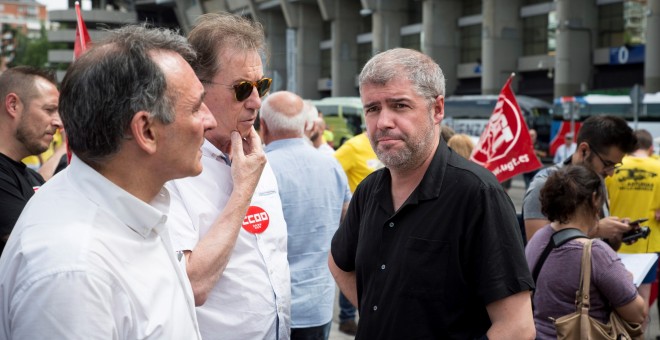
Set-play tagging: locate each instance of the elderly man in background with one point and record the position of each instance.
(315, 194)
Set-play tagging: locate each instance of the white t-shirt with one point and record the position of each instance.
(252, 299)
(87, 260)
(563, 152)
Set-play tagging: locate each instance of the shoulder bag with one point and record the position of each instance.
(579, 325)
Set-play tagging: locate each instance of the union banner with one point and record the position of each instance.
(505, 147)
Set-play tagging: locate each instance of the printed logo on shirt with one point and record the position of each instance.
(256, 220)
(635, 179)
(36, 188)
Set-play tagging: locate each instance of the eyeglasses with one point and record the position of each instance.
(608, 165)
(243, 89)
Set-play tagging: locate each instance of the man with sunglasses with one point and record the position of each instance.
(602, 142)
(228, 222)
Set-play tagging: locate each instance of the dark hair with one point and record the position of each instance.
(216, 32)
(644, 139)
(568, 190)
(603, 132)
(115, 79)
(21, 79)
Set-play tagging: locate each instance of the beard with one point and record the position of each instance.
(29, 140)
(414, 151)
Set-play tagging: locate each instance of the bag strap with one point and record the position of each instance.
(582, 297)
(557, 240)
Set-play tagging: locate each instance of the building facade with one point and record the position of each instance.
(557, 48)
(318, 47)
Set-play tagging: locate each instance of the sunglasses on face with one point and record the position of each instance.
(243, 89)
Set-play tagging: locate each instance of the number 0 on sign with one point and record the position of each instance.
(256, 220)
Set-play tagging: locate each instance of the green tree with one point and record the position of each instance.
(32, 52)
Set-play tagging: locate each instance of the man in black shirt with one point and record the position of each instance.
(28, 121)
(430, 246)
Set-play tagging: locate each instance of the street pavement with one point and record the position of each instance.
(516, 192)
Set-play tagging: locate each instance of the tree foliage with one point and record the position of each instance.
(30, 51)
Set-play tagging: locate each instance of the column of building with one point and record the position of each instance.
(576, 34)
(275, 63)
(344, 15)
(652, 53)
(387, 22)
(501, 43)
(440, 37)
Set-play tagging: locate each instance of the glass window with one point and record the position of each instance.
(326, 33)
(326, 63)
(540, 34)
(414, 12)
(365, 24)
(471, 44)
(610, 25)
(535, 35)
(471, 7)
(364, 54)
(634, 22)
(412, 41)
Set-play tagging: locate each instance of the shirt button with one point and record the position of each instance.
(382, 266)
(391, 224)
(375, 308)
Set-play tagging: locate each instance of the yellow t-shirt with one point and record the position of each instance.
(328, 136)
(634, 191)
(358, 159)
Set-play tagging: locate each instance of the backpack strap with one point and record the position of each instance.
(557, 240)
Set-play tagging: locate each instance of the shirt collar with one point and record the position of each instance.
(138, 215)
(209, 150)
(283, 143)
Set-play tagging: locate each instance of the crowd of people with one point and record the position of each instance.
(177, 219)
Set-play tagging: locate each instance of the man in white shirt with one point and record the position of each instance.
(90, 257)
(228, 222)
(566, 149)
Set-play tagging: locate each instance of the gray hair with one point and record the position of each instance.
(111, 82)
(424, 73)
(279, 123)
(216, 32)
(311, 114)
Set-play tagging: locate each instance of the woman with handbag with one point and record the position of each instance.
(571, 198)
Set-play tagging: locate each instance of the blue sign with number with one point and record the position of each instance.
(627, 55)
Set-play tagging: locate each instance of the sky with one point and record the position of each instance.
(54, 4)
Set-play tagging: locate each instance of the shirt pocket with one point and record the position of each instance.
(424, 268)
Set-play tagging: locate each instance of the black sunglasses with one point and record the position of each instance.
(243, 89)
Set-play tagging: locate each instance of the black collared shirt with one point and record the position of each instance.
(428, 270)
(17, 185)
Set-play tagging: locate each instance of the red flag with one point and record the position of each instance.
(79, 46)
(505, 147)
(82, 37)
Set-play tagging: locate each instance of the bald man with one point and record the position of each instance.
(314, 192)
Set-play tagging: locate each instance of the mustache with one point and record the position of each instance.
(387, 134)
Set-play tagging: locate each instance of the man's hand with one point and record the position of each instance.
(612, 228)
(247, 160)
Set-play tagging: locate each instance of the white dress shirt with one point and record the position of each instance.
(252, 299)
(87, 260)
